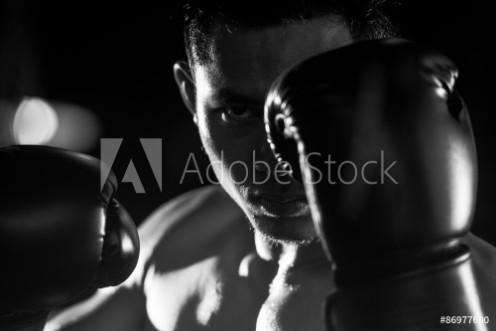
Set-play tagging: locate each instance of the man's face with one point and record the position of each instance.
(230, 95)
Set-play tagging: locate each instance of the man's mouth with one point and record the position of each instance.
(280, 205)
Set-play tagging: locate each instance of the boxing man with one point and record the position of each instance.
(201, 266)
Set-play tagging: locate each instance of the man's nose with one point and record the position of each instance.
(264, 153)
(266, 165)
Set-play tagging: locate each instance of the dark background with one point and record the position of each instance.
(116, 60)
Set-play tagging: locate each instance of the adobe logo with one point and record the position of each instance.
(152, 147)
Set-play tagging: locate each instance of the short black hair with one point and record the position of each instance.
(367, 19)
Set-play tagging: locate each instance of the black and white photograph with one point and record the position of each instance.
(254, 165)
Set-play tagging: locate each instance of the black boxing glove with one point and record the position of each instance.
(62, 232)
(388, 162)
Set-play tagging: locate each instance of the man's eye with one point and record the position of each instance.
(233, 114)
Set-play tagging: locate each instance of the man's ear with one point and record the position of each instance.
(184, 80)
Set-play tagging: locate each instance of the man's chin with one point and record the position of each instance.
(286, 229)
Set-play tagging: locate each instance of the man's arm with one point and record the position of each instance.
(161, 235)
(120, 309)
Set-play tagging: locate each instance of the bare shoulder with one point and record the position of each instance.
(191, 250)
(204, 204)
(189, 228)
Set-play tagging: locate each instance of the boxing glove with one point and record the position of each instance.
(62, 232)
(384, 147)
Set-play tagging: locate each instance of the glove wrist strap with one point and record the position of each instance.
(413, 301)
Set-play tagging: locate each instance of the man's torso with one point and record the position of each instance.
(199, 271)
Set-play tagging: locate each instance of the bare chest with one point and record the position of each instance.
(200, 297)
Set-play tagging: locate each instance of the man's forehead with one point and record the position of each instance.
(247, 60)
